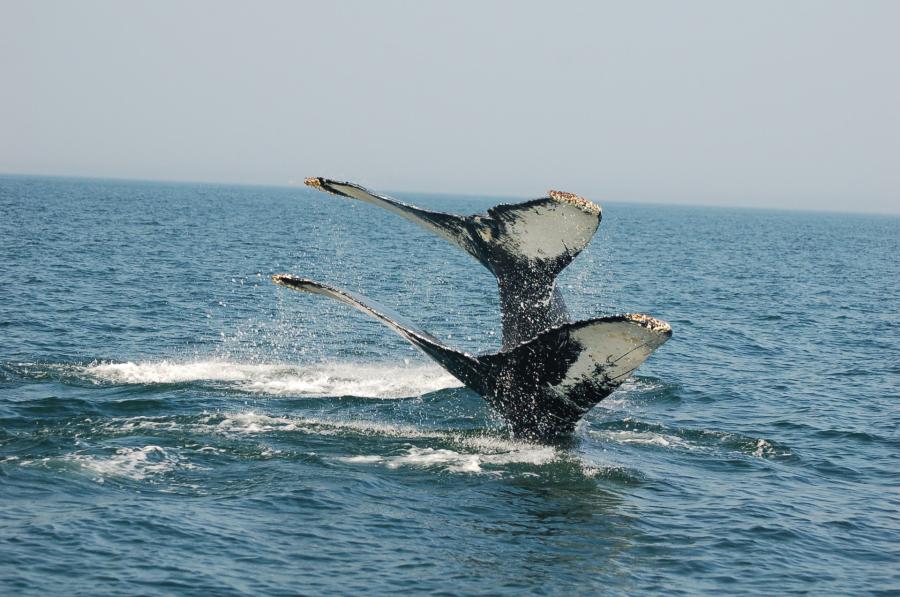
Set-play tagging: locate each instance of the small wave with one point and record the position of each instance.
(471, 454)
(408, 447)
(458, 462)
(252, 423)
(647, 438)
(130, 463)
(765, 449)
(327, 379)
(637, 389)
(449, 450)
(630, 431)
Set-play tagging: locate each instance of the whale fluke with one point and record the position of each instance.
(524, 245)
(541, 386)
(464, 367)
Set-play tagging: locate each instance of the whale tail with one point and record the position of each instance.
(524, 245)
(542, 386)
(464, 367)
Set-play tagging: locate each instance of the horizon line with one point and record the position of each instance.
(299, 185)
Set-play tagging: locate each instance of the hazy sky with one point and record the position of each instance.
(788, 104)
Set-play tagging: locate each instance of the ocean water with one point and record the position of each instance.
(173, 423)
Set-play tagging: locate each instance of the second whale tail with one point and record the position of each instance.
(542, 386)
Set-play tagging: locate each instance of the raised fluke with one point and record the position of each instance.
(525, 245)
(542, 386)
(550, 371)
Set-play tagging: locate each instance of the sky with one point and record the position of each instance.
(758, 104)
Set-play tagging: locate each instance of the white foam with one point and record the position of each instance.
(326, 379)
(167, 372)
(362, 459)
(623, 397)
(458, 452)
(430, 457)
(764, 449)
(646, 438)
(131, 463)
(617, 401)
(251, 422)
(487, 449)
(461, 462)
(474, 451)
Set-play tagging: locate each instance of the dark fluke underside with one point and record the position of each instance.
(550, 371)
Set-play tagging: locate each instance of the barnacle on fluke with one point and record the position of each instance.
(587, 206)
(550, 370)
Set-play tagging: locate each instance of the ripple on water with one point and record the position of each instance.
(630, 431)
(135, 463)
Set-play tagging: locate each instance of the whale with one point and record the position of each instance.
(542, 387)
(525, 246)
(550, 370)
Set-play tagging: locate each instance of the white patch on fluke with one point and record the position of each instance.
(618, 347)
(546, 231)
(327, 379)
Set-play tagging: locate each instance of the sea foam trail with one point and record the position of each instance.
(325, 379)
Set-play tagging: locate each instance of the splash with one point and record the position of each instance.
(274, 379)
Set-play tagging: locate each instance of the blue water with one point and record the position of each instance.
(171, 422)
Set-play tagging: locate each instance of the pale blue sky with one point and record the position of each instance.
(771, 104)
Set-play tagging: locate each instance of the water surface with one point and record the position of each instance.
(171, 422)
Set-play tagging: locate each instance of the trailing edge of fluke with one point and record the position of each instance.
(550, 370)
